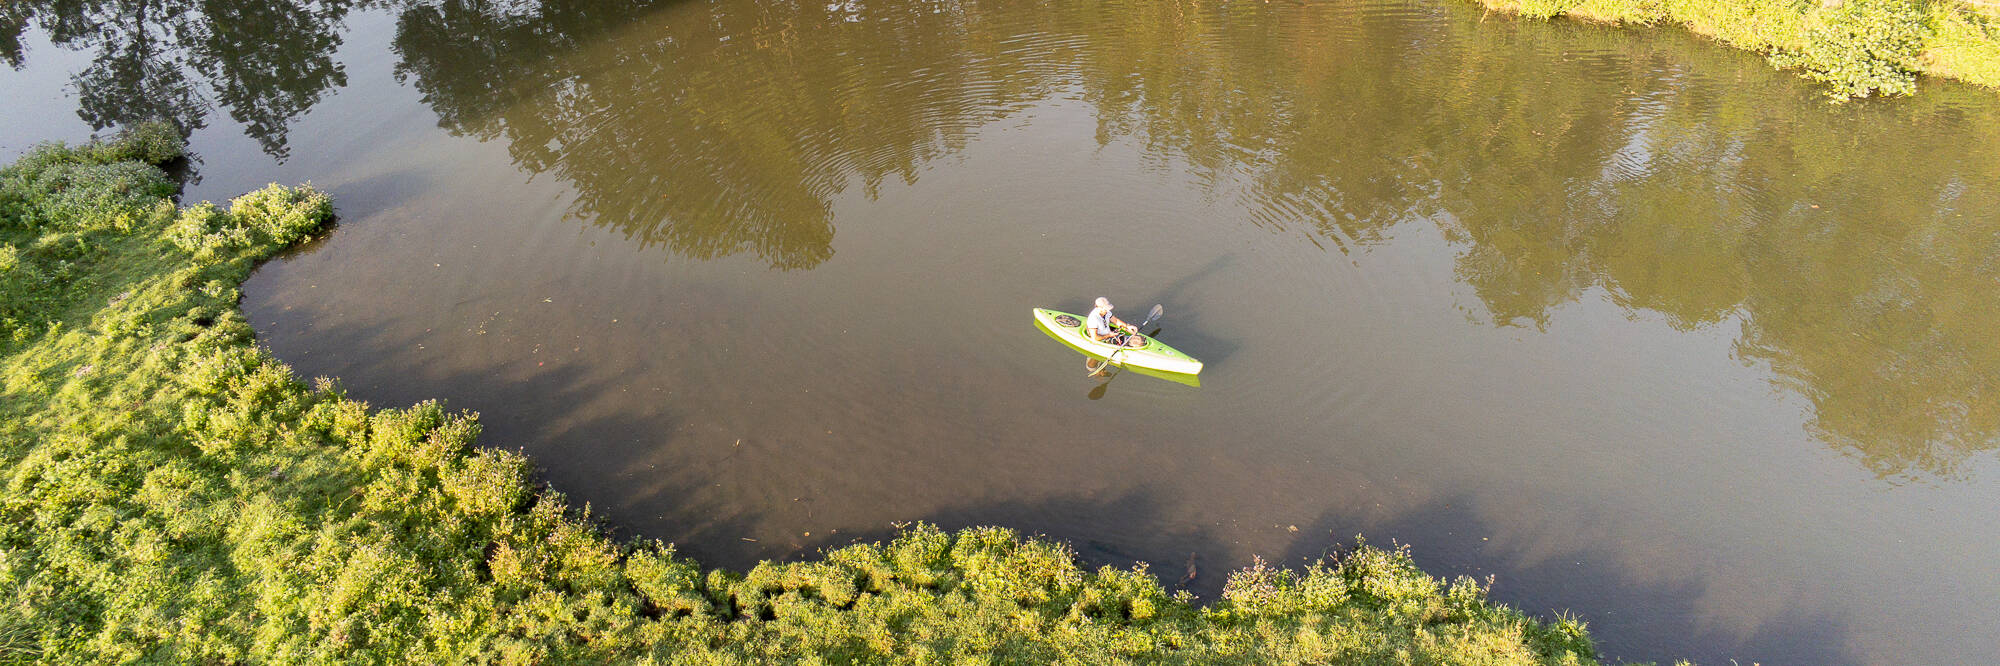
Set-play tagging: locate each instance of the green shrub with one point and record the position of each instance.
(69, 195)
(669, 584)
(268, 218)
(487, 483)
(206, 231)
(283, 214)
(104, 184)
(1862, 47)
(153, 142)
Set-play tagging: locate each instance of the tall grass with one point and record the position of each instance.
(173, 494)
(1857, 48)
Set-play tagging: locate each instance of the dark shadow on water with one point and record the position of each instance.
(588, 461)
(1184, 328)
(1176, 292)
(382, 191)
(1189, 335)
(360, 200)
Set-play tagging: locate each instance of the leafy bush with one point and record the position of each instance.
(283, 214)
(1862, 47)
(273, 216)
(152, 142)
(105, 184)
(66, 194)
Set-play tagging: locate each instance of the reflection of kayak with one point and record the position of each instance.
(1151, 354)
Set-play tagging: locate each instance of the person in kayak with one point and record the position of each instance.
(1106, 327)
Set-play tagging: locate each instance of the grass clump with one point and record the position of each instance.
(171, 493)
(1858, 48)
(60, 207)
(1965, 43)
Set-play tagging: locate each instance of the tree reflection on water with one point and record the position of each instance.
(1852, 243)
(264, 62)
(726, 128)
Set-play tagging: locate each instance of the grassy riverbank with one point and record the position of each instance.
(174, 494)
(1857, 47)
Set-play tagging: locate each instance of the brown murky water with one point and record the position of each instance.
(1632, 322)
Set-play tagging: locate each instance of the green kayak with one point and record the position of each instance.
(1150, 354)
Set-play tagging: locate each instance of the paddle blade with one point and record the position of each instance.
(1152, 315)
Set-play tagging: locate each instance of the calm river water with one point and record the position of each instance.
(1631, 322)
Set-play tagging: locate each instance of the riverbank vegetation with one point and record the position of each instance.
(174, 494)
(1857, 47)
